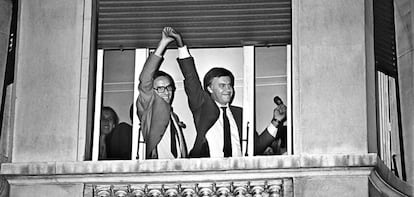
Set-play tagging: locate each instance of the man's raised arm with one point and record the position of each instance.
(192, 83)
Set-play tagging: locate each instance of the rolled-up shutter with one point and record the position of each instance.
(202, 23)
(384, 37)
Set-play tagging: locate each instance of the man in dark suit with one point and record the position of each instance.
(160, 126)
(119, 141)
(218, 123)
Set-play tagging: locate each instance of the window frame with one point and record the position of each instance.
(249, 111)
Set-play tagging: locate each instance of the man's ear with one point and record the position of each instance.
(209, 89)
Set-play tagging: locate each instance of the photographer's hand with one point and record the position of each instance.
(279, 114)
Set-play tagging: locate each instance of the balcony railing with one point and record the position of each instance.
(260, 176)
(273, 188)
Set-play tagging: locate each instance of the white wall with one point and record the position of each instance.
(119, 82)
(270, 82)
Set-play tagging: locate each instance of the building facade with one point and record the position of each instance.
(48, 111)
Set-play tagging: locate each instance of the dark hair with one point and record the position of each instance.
(160, 73)
(217, 72)
(114, 115)
(277, 98)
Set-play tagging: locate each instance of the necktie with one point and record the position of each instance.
(173, 143)
(227, 137)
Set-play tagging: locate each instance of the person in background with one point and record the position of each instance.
(279, 145)
(109, 119)
(160, 126)
(280, 106)
(218, 123)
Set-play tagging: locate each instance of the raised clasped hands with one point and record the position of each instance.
(165, 35)
(172, 34)
(168, 35)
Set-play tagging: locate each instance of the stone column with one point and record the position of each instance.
(333, 77)
(48, 80)
(333, 88)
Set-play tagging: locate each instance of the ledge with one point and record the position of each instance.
(189, 165)
(385, 181)
(261, 170)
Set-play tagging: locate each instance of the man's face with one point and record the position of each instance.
(163, 88)
(107, 122)
(221, 89)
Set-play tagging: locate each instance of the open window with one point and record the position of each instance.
(251, 39)
(389, 129)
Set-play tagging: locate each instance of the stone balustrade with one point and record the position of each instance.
(268, 188)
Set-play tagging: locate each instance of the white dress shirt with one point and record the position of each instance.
(164, 147)
(215, 135)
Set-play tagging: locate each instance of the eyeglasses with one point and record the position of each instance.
(161, 89)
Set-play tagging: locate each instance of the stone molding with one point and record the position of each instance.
(188, 170)
(189, 165)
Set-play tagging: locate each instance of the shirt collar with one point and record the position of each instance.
(220, 105)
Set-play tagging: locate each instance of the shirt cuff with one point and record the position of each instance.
(272, 130)
(157, 55)
(183, 52)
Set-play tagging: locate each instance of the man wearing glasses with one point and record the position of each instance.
(161, 128)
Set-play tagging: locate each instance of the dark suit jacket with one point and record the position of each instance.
(205, 112)
(119, 142)
(153, 111)
(279, 146)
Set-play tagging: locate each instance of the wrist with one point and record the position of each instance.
(180, 43)
(163, 43)
(275, 122)
(162, 46)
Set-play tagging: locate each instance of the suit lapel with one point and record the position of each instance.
(160, 118)
(209, 115)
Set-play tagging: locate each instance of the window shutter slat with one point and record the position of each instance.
(203, 23)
